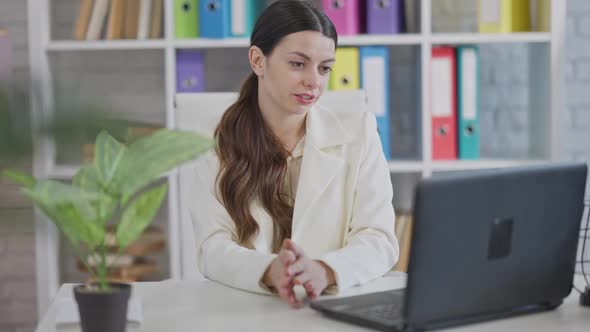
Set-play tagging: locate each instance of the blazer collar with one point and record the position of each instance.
(323, 129)
(319, 166)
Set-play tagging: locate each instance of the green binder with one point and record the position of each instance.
(186, 19)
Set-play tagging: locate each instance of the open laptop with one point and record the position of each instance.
(486, 245)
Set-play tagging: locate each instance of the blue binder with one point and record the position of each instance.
(243, 16)
(468, 102)
(374, 64)
(214, 18)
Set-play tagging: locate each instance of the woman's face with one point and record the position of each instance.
(296, 72)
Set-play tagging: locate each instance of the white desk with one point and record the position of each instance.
(191, 306)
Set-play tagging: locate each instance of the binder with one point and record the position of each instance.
(344, 14)
(443, 103)
(374, 63)
(83, 19)
(412, 15)
(99, 12)
(143, 24)
(345, 73)
(214, 18)
(503, 16)
(131, 19)
(190, 71)
(186, 19)
(384, 16)
(243, 16)
(543, 15)
(115, 25)
(468, 101)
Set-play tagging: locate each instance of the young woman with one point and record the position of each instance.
(295, 194)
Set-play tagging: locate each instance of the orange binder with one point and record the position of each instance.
(443, 103)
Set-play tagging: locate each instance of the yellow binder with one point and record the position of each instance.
(543, 15)
(503, 16)
(345, 72)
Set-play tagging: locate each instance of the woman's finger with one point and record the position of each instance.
(302, 278)
(297, 267)
(289, 244)
(311, 292)
(287, 257)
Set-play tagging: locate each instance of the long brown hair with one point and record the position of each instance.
(252, 160)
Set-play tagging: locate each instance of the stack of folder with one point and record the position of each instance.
(352, 17)
(366, 68)
(454, 104)
(119, 19)
(216, 19)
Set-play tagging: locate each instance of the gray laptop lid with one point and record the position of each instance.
(490, 241)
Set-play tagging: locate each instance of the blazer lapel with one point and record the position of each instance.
(319, 166)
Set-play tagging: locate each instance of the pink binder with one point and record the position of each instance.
(344, 14)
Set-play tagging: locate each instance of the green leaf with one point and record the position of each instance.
(87, 179)
(148, 158)
(139, 215)
(20, 178)
(57, 193)
(72, 219)
(108, 154)
(53, 215)
(105, 208)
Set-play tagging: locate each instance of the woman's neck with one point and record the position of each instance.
(287, 128)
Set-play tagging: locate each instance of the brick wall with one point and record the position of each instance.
(18, 306)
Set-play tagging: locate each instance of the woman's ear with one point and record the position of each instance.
(257, 59)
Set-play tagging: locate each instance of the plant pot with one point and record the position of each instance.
(102, 311)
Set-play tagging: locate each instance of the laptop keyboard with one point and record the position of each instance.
(380, 312)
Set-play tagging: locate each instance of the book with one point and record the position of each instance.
(131, 17)
(143, 20)
(83, 19)
(97, 20)
(116, 17)
(156, 19)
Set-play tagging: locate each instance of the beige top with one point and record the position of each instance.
(293, 170)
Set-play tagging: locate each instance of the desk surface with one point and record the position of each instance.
(208, 306)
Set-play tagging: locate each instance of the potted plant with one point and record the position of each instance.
(118, 190)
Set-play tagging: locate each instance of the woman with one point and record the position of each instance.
(294, 194)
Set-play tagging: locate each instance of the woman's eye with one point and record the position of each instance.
(325, 69)
(296, 65)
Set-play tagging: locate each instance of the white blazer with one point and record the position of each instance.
(343, 212)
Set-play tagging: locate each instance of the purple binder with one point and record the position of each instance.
(384, 16)
(190, 71)
(5, 56)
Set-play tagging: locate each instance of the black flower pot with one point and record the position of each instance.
(102, 311)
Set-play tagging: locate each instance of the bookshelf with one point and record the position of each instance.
(545, 93)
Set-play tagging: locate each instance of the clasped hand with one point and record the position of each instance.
(292, 267)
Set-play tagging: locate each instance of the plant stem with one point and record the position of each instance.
(102, 268)
(83, 260)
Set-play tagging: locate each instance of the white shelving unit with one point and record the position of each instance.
(546, 98)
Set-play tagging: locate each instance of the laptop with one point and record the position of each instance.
(486, 244)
